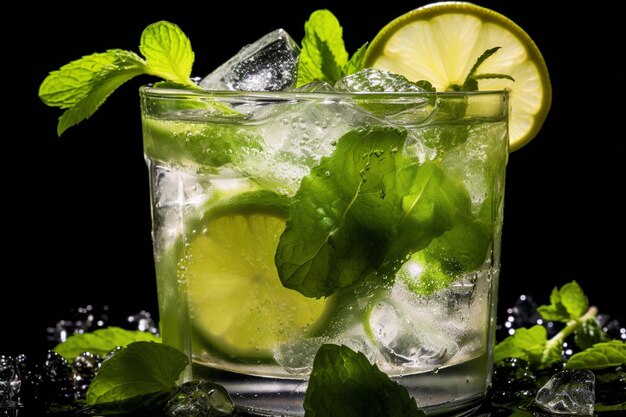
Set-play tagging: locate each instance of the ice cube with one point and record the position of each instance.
(269, 64)
(199, 399)
(570, 392)
(405, 110)
(408, 340)
(377, 81)
(295, 140)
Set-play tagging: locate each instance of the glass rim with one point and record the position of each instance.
(169, 92)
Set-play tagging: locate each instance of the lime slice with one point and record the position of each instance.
(442, 41)
(239, 307)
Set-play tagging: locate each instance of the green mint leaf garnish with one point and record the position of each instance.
(135, 377)
(344, 384)
(81, 86)
(355, 63)
(601, 355)
(363, 206)
(471, 81)
(323, 56)
(168, 52)
(68, 85)
(101, 341)
(566, 303)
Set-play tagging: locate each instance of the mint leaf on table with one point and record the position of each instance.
(527, 344)
(567, 303)
(323, 56)
(344, 384)
(135, 377)
(101, 342)
(363, 206)
(81, 86)
(599, 356)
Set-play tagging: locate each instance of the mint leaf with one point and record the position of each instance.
(101, 342)
(323, 56)
(168, 52)
(363, 206)
(68, 85)
(135, 377)
(601, 355)
(83, 85)
(355, 63)
(527, 344)
(567, 303)
(344, 384)
(327, 243)
(428, 207)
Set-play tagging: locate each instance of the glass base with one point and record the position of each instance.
(454, 391)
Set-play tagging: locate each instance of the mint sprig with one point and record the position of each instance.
(471, 81)
(568, 305)
(81, 86)
(323, 56)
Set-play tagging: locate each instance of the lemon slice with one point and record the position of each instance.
(442, 41)
(237, 303)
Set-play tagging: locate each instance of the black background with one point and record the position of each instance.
(80, 214)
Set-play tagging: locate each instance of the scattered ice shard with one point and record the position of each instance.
(269, 64)
(570, 392)
(9, 383)
(199, 399)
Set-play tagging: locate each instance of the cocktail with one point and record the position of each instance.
(294, 209)
(368, 220)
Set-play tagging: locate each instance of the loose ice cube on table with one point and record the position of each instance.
(570, 392)
(269, 64)
(199, 399)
